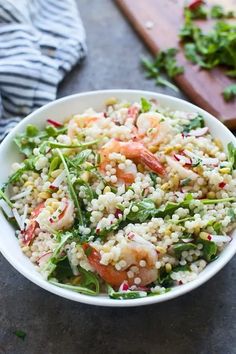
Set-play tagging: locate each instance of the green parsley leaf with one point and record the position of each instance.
(229, 92)
(20, 334)
(146, 105)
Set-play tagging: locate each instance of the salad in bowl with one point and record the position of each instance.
(131, 201)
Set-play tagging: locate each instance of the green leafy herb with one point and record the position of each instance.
(217, 226)
(89, 280)
(185, 182)
(209, 250)
(5, 198)
(63, 270)
(20, 334)
(78, 289)
(164, 63)
(231, 213)
(54, 164)
(146, 105)
(229, 92)
(28, 165)
(125, 295)
(232, 154)
(147, 208)
(28, 140)
(197, 122)
(180, 247)
(71, 188)
(199, 13)
(218, 12)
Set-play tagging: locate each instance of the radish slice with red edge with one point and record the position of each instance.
(55, 123)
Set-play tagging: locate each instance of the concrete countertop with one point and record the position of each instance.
(201, 322)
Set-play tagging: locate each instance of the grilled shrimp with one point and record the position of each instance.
(152, 128)
(81, 121)
(138, 266)
(132, 150)
(53, 214)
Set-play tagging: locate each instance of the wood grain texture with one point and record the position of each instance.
(203, 87)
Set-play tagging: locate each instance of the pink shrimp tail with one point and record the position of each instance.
(151, 161)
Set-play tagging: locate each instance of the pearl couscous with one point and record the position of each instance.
(130, 201)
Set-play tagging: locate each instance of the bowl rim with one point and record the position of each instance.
(101, 300)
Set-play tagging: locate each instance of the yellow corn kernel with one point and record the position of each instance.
(56, 173)
(165, 186)
(198, 170)
(28, 183)
(153, 148)
(168, 232)
(76, 280)
(196, 230)
(140, 168)
(44, 195)
(107, 189)
(160, 249)
(204, 235)
(168, 267)
(218, 143)
(35, 175)
(168, 149)
(111, 101)
(225, 170)
(85, 176)
(211, 195)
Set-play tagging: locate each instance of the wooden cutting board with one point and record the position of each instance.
(165, 17)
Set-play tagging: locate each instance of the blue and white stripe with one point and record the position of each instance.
(40, 41)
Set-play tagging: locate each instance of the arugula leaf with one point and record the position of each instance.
(231, 213)
(71, 188)
(28, 165)
(89, 280)
(229, 92)
(232, 154)
(195, 123)
(20, 334)
(26, 141)
(146, 208)
(63, 270)
(217, 226)
(125, 295)
(146, 105)
(209, 250)
(165, 278)
(78, 289)
(180, 247)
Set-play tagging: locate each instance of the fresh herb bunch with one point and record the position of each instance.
(208, 50)
(164, 63)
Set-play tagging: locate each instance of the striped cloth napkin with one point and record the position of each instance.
(40, 41)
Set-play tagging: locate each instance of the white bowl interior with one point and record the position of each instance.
(60, 110)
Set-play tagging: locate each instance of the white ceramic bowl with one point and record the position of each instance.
(60, 110)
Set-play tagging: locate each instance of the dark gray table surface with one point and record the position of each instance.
(201, 322)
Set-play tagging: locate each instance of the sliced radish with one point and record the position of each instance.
(55, 123)
(18, 218)
(183, 159)
(58, 181)
(124, 286)
(22, 194)
(198, 132)
(44, 258)
(220, 238)
(182, 171)
(5, 207)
